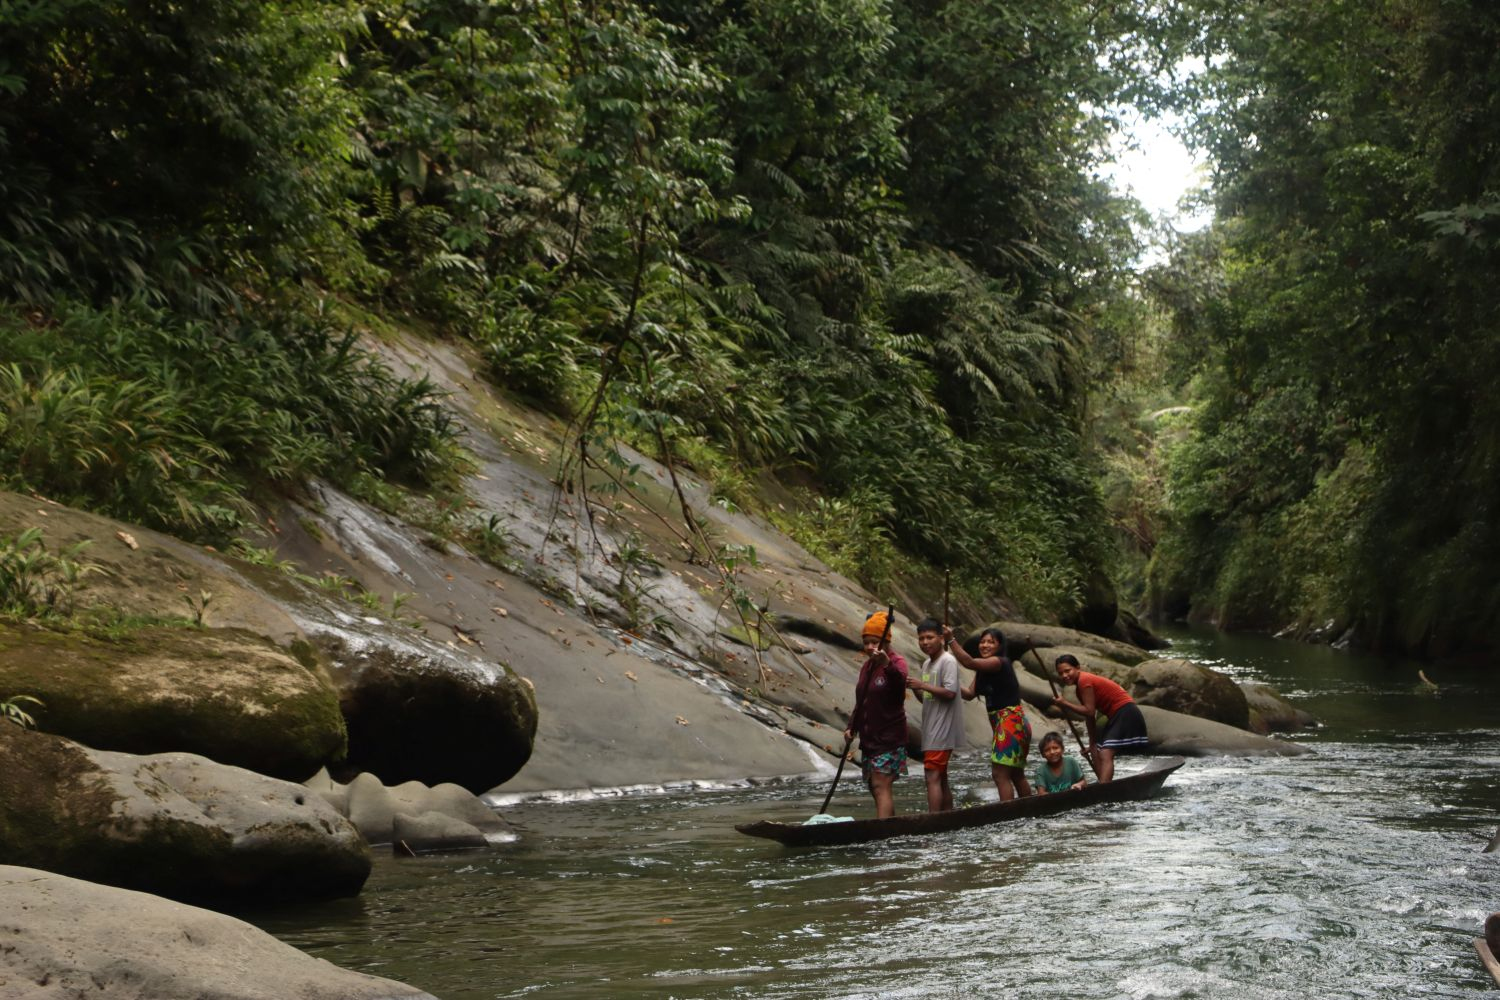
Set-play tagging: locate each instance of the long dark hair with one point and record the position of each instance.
(971, 644)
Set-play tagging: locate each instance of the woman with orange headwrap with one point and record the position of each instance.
(879, 715)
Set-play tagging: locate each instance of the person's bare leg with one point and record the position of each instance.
(1106, 764)
(1003, 783)
(885, 802)
(1018, 776)
(947, 799)
(935, 785)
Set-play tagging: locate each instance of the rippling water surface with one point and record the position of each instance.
(1352, 872)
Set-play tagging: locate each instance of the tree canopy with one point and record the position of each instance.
(1337, 330)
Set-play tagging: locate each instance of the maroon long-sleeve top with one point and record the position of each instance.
(879, 716)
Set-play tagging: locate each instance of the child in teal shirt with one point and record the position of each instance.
(1057, 772)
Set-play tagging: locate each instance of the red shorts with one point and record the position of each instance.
(936, 760)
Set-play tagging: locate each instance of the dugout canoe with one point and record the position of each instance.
(1132, 788)
(1488, 945)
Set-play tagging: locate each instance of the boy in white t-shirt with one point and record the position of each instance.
(936, 683)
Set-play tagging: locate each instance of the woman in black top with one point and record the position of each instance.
(995, 679)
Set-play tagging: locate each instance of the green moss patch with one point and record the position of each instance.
(227, 694)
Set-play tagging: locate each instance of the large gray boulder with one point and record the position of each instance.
(1271, 713)
(1089, 659)
(1187, 687)
(418, 710)
(377, 810)
(1191, 736)
(65, 938)
(175, 824)
(1045, 637)
(227, 694)
(432, 833)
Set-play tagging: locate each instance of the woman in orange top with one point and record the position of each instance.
(1125, 732)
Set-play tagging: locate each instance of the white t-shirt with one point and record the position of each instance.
(942, 720)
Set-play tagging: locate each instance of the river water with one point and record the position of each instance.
(1355, 871)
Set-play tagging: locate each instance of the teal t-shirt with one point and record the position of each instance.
(1049, 782)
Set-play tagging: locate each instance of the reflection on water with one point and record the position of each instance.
(1353, 872)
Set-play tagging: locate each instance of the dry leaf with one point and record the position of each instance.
(630, 676)
(501, 612)
(665, 920)
(683, 722)
(599, 679)
(128, 539)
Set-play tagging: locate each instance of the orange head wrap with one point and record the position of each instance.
(874, 626)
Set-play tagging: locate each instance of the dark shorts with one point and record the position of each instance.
(1126, 731)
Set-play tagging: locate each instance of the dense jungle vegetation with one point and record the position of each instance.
(1336, 331)
(859, 244)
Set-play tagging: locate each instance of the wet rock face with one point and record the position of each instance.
(227, 694)
(418, 711)
(1186, 687)
(67, 938)
(175, 824)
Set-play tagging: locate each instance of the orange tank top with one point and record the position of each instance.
(1109, 697)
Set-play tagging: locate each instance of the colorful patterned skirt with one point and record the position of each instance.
(1012, 737)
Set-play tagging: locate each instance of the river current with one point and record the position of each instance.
(1355, 871)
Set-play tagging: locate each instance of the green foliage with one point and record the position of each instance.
(853, 236)
(11, 710)
(1338, 329)
(848, 533)
(35, 583)
(150, 148)
(167, 421)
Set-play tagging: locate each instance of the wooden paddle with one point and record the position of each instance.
(1057, 693)
(890, 616)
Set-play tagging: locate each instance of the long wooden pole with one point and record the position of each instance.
(1057, 693)
(947, 579)
(890, 615)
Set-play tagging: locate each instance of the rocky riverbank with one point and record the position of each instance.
(414, 663)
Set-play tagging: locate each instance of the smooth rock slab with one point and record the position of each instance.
(65, 938)
(175, 824)
(431, 832)
(1190, 736)
(375, 810)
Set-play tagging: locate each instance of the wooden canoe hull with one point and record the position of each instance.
(1487, 958)
(1128, 789)
(1488, 945)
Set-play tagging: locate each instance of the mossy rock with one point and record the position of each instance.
(230, 695)
(1192, 689)
(178, 825)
